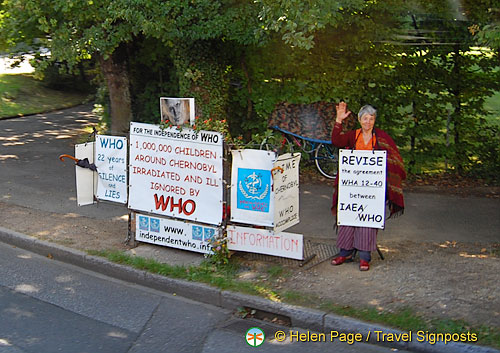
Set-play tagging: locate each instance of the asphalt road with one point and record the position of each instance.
(31, 175)
(48, 306)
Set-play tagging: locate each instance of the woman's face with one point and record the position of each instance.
(367, 122)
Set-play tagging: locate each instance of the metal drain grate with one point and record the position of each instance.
(314, 254)
(323, 252)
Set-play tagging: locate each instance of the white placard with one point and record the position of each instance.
(262, 241)
(111, 163)
(361, 196)
(286, 191)
(174, 234)
(86, 179)
(252, 201)
(176, 173)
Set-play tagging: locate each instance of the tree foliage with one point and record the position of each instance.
(84, 29)
(416, 61)
(485, 16)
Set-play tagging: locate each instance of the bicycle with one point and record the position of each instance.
(323, 153)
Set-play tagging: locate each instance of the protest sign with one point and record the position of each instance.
(176, 173)
(286, 191)
(175, 234)
(86, 179)
(251, 187)
(262, 241)
(111, 163)
(178, 111)
(361, 196)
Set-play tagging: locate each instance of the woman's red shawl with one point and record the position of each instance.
(395, 166)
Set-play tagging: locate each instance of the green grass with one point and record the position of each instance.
(276, 271)
(493, 103)
(225, 277)
(22, 95)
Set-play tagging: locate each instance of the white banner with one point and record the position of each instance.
(251, 187)
(174, 234)
(111, 163)
(361, 196)
(262, 241)
(176, 173)
(286, 191)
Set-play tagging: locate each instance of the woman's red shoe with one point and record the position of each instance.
(364, 265)
(339, 260)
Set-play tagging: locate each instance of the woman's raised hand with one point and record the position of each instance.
(342, 112)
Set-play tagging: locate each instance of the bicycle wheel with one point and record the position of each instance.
(327, 160)
(280, 147)
(307, 146)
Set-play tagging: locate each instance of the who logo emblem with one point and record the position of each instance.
(254, 188)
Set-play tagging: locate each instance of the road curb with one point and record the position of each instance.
(300, 316)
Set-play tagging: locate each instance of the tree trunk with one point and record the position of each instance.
(115, 71)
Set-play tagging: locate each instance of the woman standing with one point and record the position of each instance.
(364, 239)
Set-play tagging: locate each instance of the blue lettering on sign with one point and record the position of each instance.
(111, 143)
(254, 189)
(143, 223)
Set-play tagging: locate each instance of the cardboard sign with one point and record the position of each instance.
(262, 241)
(251, 187)
(86, 179)
(176, 173)
(174, 234)
(111, 163)
(286, 191)
(361, 197)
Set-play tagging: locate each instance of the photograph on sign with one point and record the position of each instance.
(286, 191)
(361, 195)
(175, 234)
(111, 163)
(176, 173)
(86, 179)
(252, 201)
(179, 111)
(263, 241)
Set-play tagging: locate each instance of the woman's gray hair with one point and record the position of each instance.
(367, 109)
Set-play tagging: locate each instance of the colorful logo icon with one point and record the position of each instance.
(254, 189)
(255, 336)
(144, 223)
(154, 225)
(197, 233)
(209, 233)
